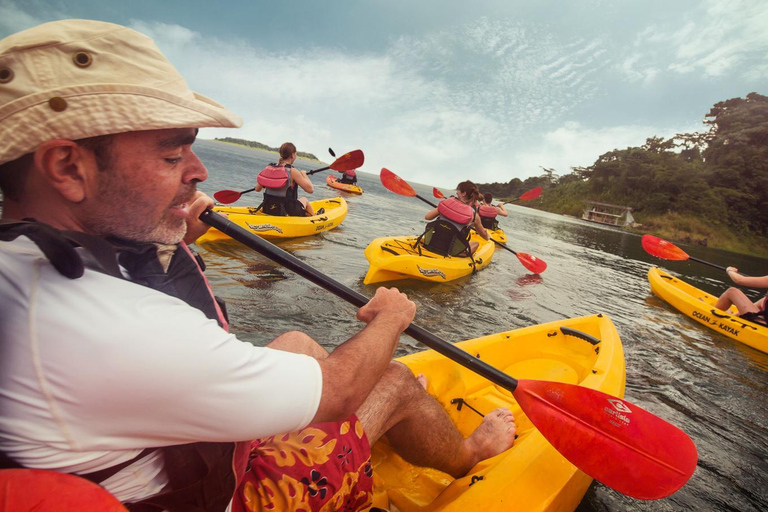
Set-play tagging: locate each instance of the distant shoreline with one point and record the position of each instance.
(263, 150)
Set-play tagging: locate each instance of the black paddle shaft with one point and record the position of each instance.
(289, 261)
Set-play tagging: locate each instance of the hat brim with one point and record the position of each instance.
(102, 109)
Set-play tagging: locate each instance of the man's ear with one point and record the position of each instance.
(65, 166)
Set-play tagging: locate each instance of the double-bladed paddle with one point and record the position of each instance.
(665, 250)
(610, 439)
(345, 162)
(398, 185)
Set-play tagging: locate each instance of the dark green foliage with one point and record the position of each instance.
(720, 177)
(259, 145)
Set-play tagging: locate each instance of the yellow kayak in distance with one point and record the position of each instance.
(333, 182)
(685, 298)
(274, 227)
(399, 257)
(532, 475)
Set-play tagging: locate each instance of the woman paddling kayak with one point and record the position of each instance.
(748, 310)
(454, 218)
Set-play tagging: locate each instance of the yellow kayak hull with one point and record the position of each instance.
(394, 258)
(532, 475)
(685, 298)
(272, 227)
(332, 182)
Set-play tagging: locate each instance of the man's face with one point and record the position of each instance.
(144, 192)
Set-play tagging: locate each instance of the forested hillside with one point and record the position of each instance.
(258, 145)
(709, 187)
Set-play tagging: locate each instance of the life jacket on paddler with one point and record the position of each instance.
(201, 475)
(448, 234)
(281, 197)
(349, 177)
(488, 216)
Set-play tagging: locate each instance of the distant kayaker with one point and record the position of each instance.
(488, 211)
(280, 183)
(748, 310)
(454, 218)
(349, 177)
(117, 364)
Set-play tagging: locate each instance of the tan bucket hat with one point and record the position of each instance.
(74, 79)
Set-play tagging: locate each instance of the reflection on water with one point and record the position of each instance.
(712, 387)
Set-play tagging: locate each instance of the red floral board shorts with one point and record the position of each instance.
(322, 467)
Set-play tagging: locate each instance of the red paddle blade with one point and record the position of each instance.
(662, 249)
(227, 196)
(395, 183)
(437, 193)
(348, 161)
(532, 263)
(613, 441)
(531, 194)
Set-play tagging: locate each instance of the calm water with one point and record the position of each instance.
(713, 388)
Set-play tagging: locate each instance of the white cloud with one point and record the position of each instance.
(724, 39)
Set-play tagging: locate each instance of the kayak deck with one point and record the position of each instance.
(395, 258)
(532, 475)
(274, 227)
(685, 298)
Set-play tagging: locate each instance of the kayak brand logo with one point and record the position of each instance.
(430, 272)
(619, 405)
(263, 227)
(617, 415)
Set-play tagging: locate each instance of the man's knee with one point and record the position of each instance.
(398, 380)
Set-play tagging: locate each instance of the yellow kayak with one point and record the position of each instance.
(532, 475)
(399, 257)
(270, 226)
(332, 182)
(685, 298)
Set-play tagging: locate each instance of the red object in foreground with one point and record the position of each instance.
(532, 263)
(437, 193)
(660, 248)
(27, 490)
(615, 442)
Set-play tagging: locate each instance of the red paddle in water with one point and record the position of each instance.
(345, 162)
(610, 439)
(399, 186)
(660, 248)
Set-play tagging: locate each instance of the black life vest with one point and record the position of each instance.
(201, 477)
(449, 233)
(349, 177)
(281, 197)
(488, 216)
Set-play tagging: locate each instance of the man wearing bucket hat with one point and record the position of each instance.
(116, 364)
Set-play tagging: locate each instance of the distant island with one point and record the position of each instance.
(263, 147)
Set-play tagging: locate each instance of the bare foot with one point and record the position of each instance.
(422, 380)
(494, 435)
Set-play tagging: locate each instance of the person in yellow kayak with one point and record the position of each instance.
(748, 310)
(488, 211)
(452, 221)
(280, 182)
(348, 177)
(117, 363)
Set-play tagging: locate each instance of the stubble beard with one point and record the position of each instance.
(124, 213)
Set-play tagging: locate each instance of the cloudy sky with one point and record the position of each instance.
(445, 90)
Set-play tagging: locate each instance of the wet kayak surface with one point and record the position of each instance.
(712, 387)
